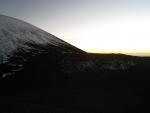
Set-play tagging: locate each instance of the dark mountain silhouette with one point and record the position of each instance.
(41, 73)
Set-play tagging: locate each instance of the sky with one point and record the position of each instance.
(101, 26)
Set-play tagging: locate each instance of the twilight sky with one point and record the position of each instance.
(93, 25)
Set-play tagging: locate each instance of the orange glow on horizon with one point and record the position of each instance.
(128, 52)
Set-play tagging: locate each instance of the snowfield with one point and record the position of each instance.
(16, 34)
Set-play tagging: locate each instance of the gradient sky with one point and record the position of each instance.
(119, 26)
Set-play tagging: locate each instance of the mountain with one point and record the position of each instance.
(17, 34)
(20, 40)
(42, 73)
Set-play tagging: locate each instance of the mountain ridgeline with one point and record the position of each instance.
(42, 73)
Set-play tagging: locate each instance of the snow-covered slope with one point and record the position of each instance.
(21, 41)
(16, 34)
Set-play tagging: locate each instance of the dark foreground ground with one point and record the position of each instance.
(87, 91)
